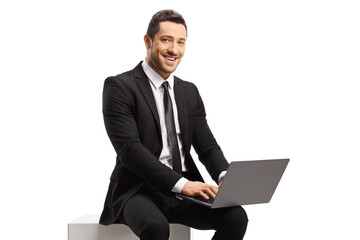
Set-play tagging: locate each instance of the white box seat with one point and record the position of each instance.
(87, 227)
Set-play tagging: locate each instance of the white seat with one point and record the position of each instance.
(87, 227)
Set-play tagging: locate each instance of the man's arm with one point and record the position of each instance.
(205, 145)
(209, 154)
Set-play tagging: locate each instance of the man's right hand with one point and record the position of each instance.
(199, 189)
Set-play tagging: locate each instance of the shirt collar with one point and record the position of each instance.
(155, 78)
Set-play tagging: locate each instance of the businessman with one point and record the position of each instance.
(152, 119)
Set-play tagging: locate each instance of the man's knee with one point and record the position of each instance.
(236, 219)
(156, 229)
(237, 216)
(232, 224)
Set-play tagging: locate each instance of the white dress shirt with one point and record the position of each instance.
(165, 157)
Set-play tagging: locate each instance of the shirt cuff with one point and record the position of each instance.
(221, 176)
(179, 185)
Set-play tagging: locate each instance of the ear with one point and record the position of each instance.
(147, 41)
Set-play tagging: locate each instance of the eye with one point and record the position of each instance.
(181, 43)
(165, 40)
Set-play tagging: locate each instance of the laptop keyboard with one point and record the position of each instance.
(210, 200)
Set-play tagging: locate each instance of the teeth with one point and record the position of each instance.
(171, 59)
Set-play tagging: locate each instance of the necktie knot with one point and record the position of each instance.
(165, 85)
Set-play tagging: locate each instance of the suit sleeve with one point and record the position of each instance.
(122, 129)
(205, 145)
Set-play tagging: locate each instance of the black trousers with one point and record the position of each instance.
(149, 212)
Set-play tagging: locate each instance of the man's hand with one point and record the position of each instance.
(199, 189)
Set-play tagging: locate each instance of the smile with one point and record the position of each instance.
(169, 59)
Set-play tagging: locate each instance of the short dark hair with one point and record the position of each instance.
(163, 16)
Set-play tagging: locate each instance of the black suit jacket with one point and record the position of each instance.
(132, 123)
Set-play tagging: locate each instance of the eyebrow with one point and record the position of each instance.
(169, 36)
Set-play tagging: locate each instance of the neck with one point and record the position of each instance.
(153, 66)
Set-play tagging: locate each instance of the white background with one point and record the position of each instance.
(278, 79)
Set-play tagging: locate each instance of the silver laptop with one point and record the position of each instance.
(246, 182)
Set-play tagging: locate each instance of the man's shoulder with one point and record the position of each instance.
(127, 77)
(184, 82)
(189, 86)
(122, 77)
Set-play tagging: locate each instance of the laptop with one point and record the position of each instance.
(246, 182)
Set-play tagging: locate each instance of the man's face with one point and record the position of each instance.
(164, 53)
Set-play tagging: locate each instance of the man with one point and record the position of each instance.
(152, 119)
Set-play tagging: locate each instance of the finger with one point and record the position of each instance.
(212, 192)
(203, 195)
(215, 189)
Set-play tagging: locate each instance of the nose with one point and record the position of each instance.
(173, 49)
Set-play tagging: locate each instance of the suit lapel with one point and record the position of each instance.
(181, 107)
(144, 85)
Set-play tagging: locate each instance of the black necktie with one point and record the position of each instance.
(171, 130)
